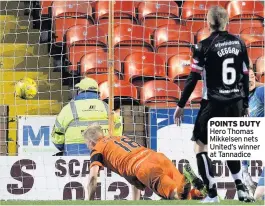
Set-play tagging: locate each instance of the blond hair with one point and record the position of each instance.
(93, 132)
(217, 18)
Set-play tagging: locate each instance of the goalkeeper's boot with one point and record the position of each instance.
(249, 183)
(193, 179)
(243, 194)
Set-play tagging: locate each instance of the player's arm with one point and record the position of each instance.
(136, 193)
(197, 67)
(96, 162)
(245, 70)
(92, 182)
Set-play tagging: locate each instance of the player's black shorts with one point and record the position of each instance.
(211, 109)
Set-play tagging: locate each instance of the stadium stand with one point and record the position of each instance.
(21, 55)
(153, 14)
(59, 42)
(66, 14)
(124, 93)
(124, 11)
(97, 63)
(82, 39)
(241, 10)
(143, 66)
(160, 93)
(179, 66)
(253, 36)
(172, 39)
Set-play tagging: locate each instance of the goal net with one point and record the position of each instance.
(139, 52)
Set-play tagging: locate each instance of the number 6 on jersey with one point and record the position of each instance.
(228, 79)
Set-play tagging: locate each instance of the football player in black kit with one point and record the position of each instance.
(223, 62)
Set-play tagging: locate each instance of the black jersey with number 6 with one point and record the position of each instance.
(223, 59)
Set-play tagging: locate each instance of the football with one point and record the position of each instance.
(26, 88)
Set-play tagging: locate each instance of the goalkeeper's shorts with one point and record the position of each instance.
(211, 109)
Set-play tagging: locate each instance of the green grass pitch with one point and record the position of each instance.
(120, 202)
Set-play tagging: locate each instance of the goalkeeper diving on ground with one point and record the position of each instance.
(140, 166)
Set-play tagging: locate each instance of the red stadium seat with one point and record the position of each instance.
(132, 35)
(260, 69)
(97, 63)
(122, 52)
(71, 9)
(123, 10)
(168, 51)
(202, 34)
(100, 78)
(235, 27)
(104, 26)
(85, 35)
(253, 36)
(254, 53)
(171, 36)
(45, 5)
(123, 91)
(83, 39)
(66, 14)
(77, 52)
(159, 93)
(195, 25)
(245, 10)
(179, 66)
(153, 14)
(195, 12)
(198, 9)
(196, 95)
(137, 3)
(138, 66)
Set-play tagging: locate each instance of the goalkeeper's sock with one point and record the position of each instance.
(206, 171)
(235, 169)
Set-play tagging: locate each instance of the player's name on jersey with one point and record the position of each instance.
(236, 138)
(228, 50)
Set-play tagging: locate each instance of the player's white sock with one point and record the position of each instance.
(237, 176)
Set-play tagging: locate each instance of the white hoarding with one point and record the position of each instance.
(34, 135)
(54, 178)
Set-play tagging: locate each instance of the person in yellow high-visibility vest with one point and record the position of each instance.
(83, 110)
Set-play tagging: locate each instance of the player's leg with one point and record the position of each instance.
(155, 174)
(260, 191)
(235, 110)
(152, 176)
(182, 185)
(204, 163)
(195, 181)
(247, 177)
(245, 165)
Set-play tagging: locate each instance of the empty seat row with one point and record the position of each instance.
(148, 9)
(167, 40)
(150, 14)
(155, 93)
(138, 65)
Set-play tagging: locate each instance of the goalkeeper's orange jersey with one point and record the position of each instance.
(120, 154)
